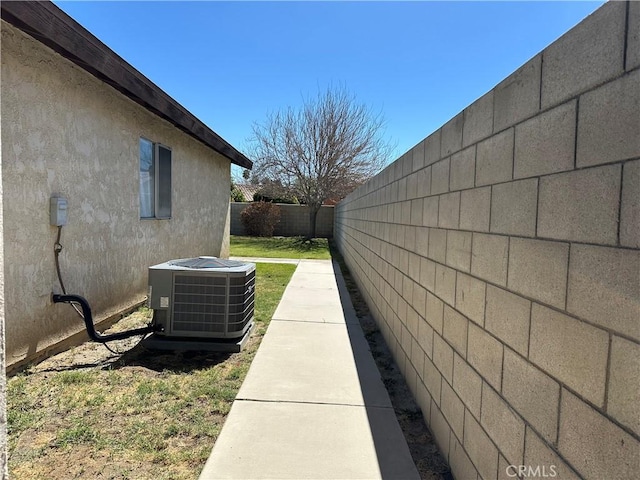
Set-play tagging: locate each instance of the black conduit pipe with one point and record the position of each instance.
(88, 320)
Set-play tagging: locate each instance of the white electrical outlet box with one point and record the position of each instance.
(58, 211)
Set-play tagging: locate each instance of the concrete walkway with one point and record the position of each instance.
(313, 405)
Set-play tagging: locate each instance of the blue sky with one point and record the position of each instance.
(419, 63)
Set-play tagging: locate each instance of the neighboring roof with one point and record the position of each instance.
(51, 26)
(248, 191)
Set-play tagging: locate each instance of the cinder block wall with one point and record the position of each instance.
(294, 220)
(500, 257)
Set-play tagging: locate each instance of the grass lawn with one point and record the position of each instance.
(279, 247)
(87, 413)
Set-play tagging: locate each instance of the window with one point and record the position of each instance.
(155, 180)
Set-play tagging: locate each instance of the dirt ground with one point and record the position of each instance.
(127, 353)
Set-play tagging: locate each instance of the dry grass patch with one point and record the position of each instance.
(88, 413)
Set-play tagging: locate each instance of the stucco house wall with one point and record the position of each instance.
(65, 132)
(501, 259)
(4, 464)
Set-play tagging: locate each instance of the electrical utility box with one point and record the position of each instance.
(58, 211)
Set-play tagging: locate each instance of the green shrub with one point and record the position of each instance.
(260, 219)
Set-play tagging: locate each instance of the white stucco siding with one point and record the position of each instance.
(65, 132)
(4, 464)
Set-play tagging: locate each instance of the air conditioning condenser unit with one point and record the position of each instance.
(203, 297)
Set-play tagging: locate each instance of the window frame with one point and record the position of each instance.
(160, 202)
(162, 194)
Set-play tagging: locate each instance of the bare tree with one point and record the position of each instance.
(323, 150)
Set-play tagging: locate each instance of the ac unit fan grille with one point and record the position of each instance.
(200, 303)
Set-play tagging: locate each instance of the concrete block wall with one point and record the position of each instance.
(294, 220)
(501, 259)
